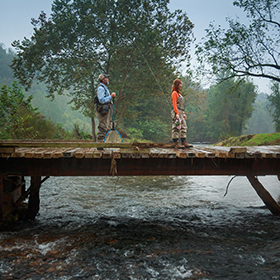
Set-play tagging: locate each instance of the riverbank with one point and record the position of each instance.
(264, 139)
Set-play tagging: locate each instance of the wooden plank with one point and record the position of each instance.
(29, 153)
(136, 155)
(130, 153)
(5, 155)
(251, 154)
(221, 152)
(61, 144)
(166, 153)
(19, 152)
(97, 154)
(49, 153)
(180, 153)
(198, 152)
(238, 150)
(267, 155)
(80, 153)
(70, 153)
(39, 153)
(59, 153)
(126, 155)
(266, 151)
(154, 153)
(116, 154)
(208, 153)
(7, 150)
(143, 152)
(106, 154)
(89, 153)
(190, 153)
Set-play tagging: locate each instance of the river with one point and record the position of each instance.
(146, 228)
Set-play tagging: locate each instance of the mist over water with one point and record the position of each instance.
(166, 227)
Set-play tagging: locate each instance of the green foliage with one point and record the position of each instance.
(79, 133)
(6, 73)
(19, 120)
(144, 116)
(261, 120)
(195, 108)
(274, 104)
(85, 37)
(134, 134)
(16, 113)
(252, 140)
(229, 107)
(58, 110)
(245, 50)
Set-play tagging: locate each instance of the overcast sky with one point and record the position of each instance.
(16, 16)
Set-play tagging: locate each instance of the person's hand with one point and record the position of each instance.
(113, 94)
(177, 116)
(184, 115)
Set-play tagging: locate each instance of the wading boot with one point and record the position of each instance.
(177, 144)
(185, 144)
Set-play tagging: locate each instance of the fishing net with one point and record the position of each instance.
(113, 136)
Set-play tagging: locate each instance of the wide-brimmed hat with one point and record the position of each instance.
(102, 76)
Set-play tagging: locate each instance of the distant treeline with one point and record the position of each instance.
(228, 109)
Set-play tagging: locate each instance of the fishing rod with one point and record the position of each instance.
(150, 68)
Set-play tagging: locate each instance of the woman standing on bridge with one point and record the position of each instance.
(179, 125)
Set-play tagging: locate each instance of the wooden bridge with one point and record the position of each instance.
(84, 158)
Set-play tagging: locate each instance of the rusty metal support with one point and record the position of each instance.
(268, 200)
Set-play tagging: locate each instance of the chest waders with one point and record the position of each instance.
(180, 132)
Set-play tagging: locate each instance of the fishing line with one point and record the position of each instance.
(167, 99)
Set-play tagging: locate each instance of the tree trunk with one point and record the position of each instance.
(93, 129)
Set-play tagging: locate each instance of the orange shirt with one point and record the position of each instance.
(174, 97)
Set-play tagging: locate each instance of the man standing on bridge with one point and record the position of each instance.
(104, 107)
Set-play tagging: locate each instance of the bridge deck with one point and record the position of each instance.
(83, 158)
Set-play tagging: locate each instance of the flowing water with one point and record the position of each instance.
(146, 228)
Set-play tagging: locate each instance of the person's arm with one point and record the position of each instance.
(174, 97)
(101, 95)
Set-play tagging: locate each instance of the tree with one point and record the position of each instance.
(230, 104)
(195, 107)
(15, 113)
(261, 120)
(252, 50)
(19, 120)
(85, 37)
(274, 104)
(6, 58)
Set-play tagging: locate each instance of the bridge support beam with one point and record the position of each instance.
(34, 198)
(268, 200)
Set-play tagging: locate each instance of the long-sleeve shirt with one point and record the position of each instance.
(103, 94)
(174, 97)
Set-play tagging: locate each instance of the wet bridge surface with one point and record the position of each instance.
(85, 158)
